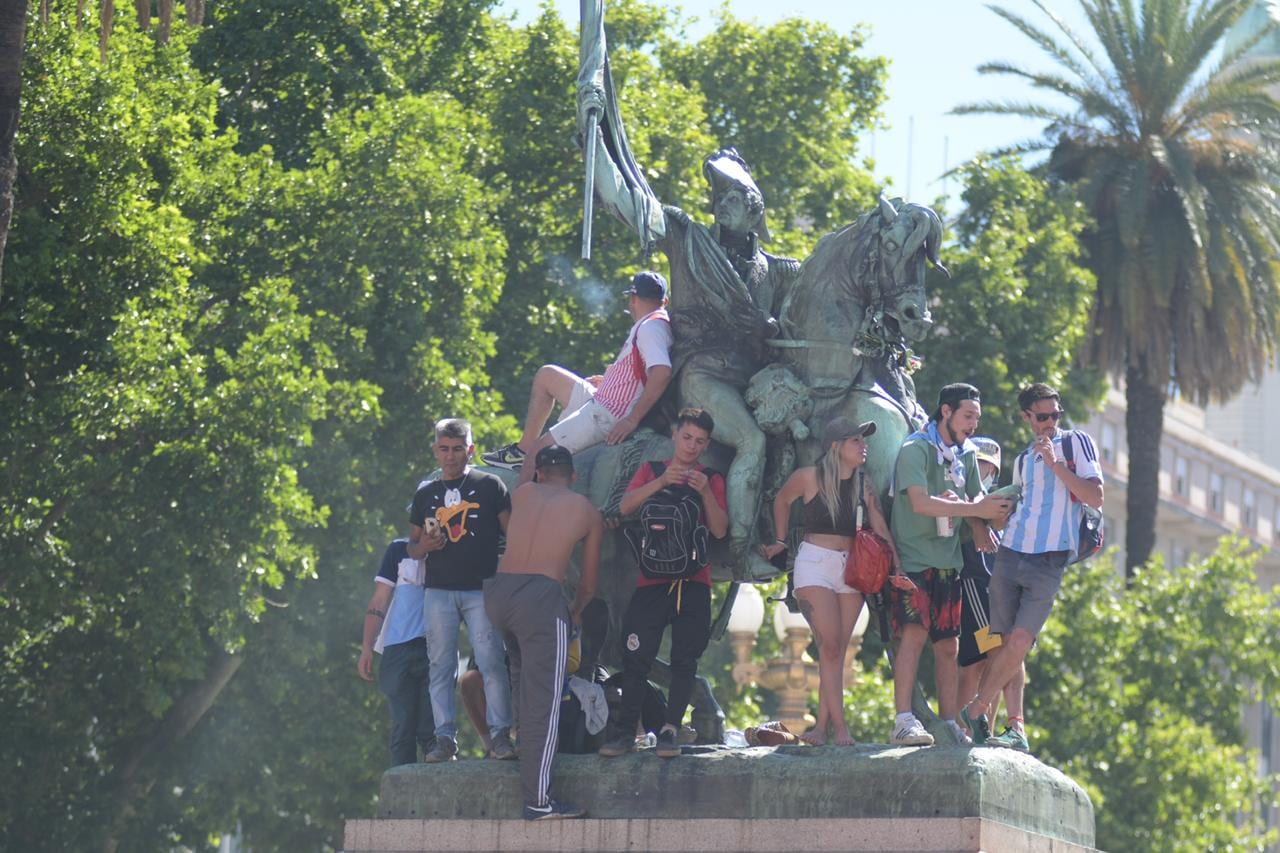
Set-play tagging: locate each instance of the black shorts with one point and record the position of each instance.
(976, 639)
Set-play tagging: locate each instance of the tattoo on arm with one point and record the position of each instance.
(373, 611)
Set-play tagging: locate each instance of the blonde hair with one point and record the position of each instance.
(829, 481)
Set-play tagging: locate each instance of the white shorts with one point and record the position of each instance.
(584, 422)
(818, 566)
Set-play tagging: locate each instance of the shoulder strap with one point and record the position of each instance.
(657, 468)
(1019, 476)
(857, 502)
(1068, 439)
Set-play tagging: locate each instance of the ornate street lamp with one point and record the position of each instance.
(793, 675)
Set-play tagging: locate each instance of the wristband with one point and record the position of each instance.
(781, 542)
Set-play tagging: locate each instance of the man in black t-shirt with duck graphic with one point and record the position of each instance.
(467, 509)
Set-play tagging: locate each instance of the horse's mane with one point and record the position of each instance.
(837, 273)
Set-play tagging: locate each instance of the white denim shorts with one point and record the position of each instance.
(818, 566)
(584, 422)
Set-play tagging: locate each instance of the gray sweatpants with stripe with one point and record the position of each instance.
(532, 616)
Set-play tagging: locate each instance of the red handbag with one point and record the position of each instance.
(870, 559)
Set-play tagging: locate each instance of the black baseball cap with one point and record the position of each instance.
(838, 429)
(553, 455)
(647, 285)
(953, 395)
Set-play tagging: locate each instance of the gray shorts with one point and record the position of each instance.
(1022, 589)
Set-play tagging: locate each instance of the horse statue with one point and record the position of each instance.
(846, 322)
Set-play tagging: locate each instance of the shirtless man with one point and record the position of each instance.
(526, 605)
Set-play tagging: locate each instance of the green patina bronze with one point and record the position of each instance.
(771, 347)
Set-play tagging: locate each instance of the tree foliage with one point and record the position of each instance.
(218, 377)
(154, 430)
(1137, 695)
(286, 67)
(1016, 308)
(793, 98)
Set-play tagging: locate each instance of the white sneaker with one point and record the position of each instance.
(910, 733)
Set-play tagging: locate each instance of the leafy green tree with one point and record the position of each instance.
(1016, 308)
(1176, 161)
(1136, 694)
(287, 66)
(793, 98)
(152, 436)
(13, 37)
(219, 380)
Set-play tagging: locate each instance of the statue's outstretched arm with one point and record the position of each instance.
(619, 184)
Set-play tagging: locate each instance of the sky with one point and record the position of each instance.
(935, 47)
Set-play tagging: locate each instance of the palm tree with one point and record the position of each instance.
(1176, 159)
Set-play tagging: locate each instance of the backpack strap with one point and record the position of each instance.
(658, 468)
(1019, 476)
(1068, 454)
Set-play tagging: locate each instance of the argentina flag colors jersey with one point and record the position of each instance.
(1047, 519)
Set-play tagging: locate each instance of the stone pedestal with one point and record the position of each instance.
(866, 798)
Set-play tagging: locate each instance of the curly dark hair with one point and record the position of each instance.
(1033, 394)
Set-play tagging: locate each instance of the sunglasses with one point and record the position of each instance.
(1041, 417)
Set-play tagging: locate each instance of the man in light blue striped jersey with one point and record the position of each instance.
(1040, 539)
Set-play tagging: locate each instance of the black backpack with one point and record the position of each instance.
(671, 541)
(1092, 533)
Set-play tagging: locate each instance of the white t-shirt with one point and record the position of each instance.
(622, 386)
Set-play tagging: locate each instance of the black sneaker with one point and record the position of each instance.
(979, 726)
(668, 745)
(618, 745)
(511, 457)
(446, 749)
(501, 747)
(553, 810)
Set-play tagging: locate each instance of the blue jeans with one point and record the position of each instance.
(402, 678)
(446, 610)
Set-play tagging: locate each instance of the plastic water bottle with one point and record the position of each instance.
(733, 737)
(648, 739)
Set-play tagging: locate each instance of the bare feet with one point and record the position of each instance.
(814, 737)
(845, 739)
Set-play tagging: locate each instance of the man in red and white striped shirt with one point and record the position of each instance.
(610, 408)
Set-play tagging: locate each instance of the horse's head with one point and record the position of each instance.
(909, 235)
